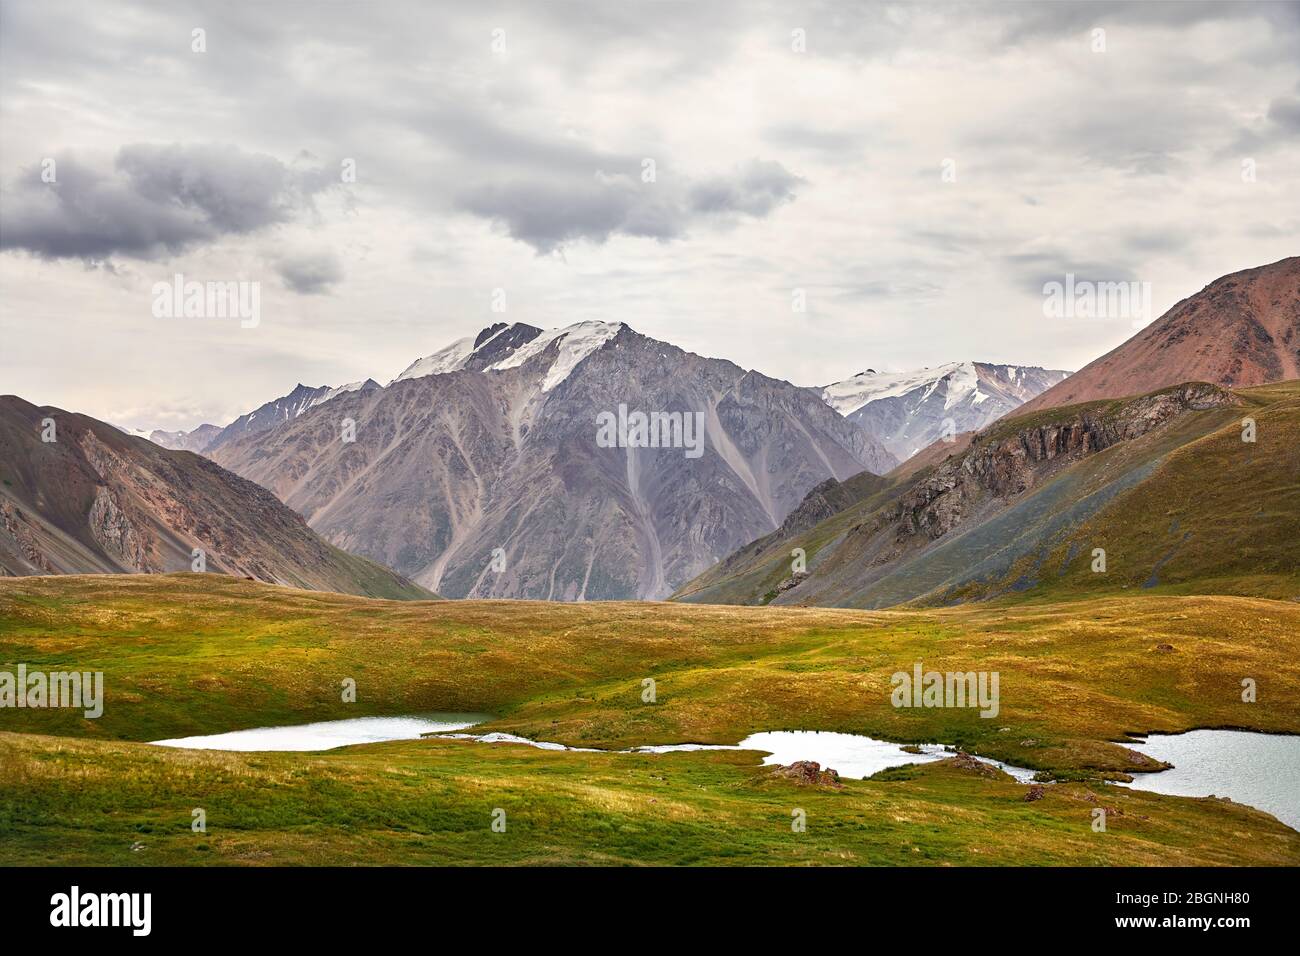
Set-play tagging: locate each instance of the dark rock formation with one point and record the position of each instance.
(809, 773)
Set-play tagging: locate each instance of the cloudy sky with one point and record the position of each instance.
(505, 147)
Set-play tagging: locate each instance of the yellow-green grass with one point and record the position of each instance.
(1219, 515)
(431, 802)
(188, 654)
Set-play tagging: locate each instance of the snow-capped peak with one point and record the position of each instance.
(869, 386)
(959, 383)
(576, 343)
(909, 410)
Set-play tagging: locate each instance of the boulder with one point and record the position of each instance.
(809, 773)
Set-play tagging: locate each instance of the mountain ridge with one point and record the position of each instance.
(1242, 329)
(92, 499)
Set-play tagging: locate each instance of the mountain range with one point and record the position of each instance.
(592, 462)
(1194, 476)
(478, 471)
(207, 437)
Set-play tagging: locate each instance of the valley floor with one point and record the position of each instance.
(195, 654)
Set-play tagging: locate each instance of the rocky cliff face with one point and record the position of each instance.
(1010, 460)
(95, 500)
(490, 480)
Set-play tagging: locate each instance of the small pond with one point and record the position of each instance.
(1260, 770)
(328, 734)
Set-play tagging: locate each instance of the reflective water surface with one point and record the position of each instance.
(327, 734)
(1260, 770)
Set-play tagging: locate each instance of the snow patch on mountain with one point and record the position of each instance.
(137, 432)
(479, 352)
(576, 343)
(365, 386)
(910, 410)
(962, 384)
(444, 360)
(851, 394)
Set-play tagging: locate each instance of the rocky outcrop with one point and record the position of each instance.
(971, 765)
(15, 526)
(1009, 460)
(112, 529)
(828, 499)
(809, 773)
(816, 506)
(498, 342)
(791, 582)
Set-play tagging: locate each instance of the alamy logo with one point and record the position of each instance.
(103, 909)
(36, 689)
(1084, 299)
(179, 299)
(655, 430)
(954, 689)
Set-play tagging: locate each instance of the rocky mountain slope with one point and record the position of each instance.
(908, 411)
(1242, 329)
(272, 413)
(95, 500)
(480, 471)
(1163, 483)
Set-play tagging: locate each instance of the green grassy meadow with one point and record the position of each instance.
(192, 654)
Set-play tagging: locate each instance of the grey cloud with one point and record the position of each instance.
(755, 190)
(1285, 112)
(833, 143)
(1031, 270)
(874, 289)
(310, 272)
(550, 214)
(1033, 21)
(153, 201)
(443, 132)
(1277, 128)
